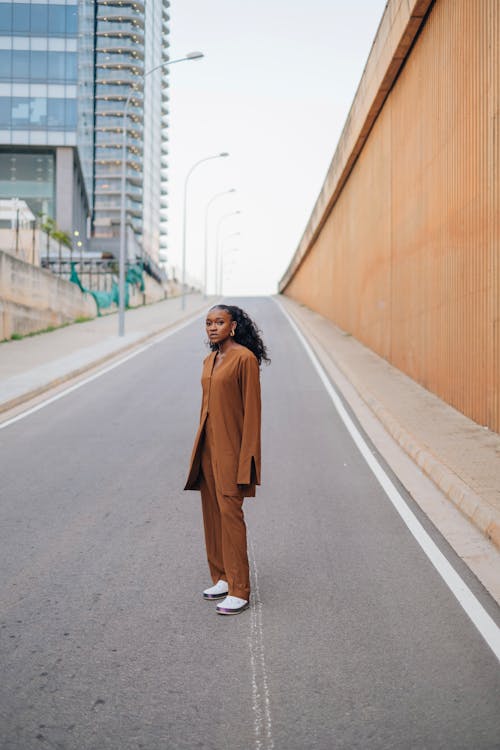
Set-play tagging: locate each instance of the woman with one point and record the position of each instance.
(225, 462)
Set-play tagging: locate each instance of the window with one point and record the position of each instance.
(5, 108)
(38, 112)
(57, 20)
(29, 177)
(71, 19)
(20, 18)
(21, 64)
(6, 18)
(71, 114)
(56, 113)
(71, 66)
(5, 64)
(39, 19)
(57, 66)
(20, 111)
(38, 64)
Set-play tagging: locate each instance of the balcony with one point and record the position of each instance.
(121, 4)
(118, 76)
(108, 157)
(120, 46)
(119, 93)
(111, 113)
(116, 58)
(130, 66)
(120, 13)
(110, 124)
(128, 36)
(111, 171)
(114, 141)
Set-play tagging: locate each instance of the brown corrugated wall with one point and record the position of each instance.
(408, 258)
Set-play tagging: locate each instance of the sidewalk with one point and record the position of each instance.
(33, 365)
(459, 456)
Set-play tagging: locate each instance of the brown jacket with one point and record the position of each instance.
(231, 394)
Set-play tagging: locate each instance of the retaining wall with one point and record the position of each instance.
(32, 299)
(402, 248)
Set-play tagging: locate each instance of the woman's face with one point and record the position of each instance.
(219, 325)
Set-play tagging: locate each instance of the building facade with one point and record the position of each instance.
(66, 71)
(131, 40)
(46, 109)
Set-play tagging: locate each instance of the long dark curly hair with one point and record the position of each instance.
(246, 332)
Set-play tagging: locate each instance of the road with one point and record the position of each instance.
(353, 639)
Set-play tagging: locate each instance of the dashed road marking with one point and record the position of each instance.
(261, 704)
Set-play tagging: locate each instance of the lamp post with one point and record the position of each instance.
(221, 277)
(205, 255)
(217, 243)
(121, 259)
(76, 234)
(222, 155)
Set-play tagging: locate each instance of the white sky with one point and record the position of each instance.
(273, 90)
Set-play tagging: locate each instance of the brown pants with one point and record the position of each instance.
(225, 530)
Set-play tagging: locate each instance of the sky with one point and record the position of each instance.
(273, 90)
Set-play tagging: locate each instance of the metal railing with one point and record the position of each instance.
(99, 274)
(94, 273)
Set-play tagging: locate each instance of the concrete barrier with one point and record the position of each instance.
(402, 247)
(32, 299)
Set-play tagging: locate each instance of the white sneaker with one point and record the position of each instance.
(219, 591)
(232, 605)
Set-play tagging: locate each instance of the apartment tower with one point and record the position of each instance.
(131, 40)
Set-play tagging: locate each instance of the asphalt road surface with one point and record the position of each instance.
(353, 639)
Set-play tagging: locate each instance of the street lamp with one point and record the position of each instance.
(217, 243)
(79, 244)
(223, 154)
(212, 200)
(227, 237)
(121, 259)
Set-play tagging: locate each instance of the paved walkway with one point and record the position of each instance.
(33, 365)
(461, 457)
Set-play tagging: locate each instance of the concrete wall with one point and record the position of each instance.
(32, 299)
(154, 292)
(402, 248)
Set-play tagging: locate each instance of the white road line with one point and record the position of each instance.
(96, 375)
(261, 704)
(472, 607)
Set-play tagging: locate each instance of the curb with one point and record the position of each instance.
(472, 506)
(33, 393)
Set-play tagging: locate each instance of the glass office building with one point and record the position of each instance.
(131, 39)
(66, 70)
(47, 108)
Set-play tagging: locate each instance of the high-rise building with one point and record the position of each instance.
(47, 108)
(66, 70)
(131, 40)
